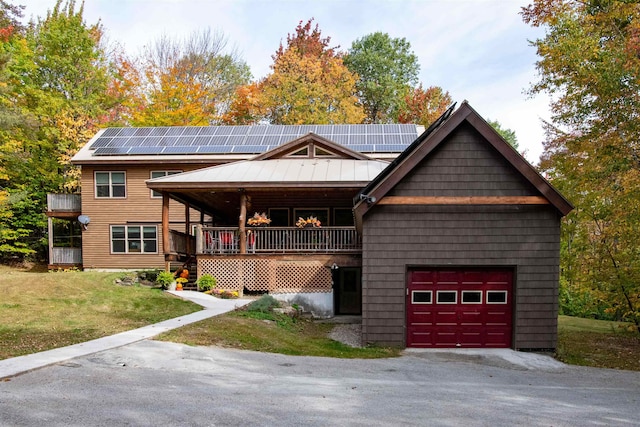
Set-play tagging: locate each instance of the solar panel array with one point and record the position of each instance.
(376, 138)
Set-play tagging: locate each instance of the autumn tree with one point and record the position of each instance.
(589, 60)
(423, 106)
(309, 83)
(192, 82)
(57, 74)
(386, 68)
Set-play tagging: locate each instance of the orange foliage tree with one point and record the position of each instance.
(309, 83)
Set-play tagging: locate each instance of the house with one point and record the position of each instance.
(441, 238)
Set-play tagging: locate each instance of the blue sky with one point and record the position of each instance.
(477, 50)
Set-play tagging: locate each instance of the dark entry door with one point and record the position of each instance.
(348, 290)
(459, 308)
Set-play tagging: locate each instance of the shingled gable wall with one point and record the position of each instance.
(525, 238)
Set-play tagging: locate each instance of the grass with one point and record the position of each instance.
(40, 311)
(598, 343)
(273, 333)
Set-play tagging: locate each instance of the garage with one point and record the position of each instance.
(459, 308)
(460, 244)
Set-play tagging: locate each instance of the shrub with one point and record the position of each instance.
(264, 304)
(164, 279)
(206, 282)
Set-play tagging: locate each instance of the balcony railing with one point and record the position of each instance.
(64, 203)
(226, 240)
(64, 256)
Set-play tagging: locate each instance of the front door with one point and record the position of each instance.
(348, 290)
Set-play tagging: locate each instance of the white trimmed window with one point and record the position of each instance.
(111, 185)
(160, 174)
(139, 239)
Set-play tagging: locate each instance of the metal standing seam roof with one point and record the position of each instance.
(285, 171)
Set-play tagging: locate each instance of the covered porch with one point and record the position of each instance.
(306, 245)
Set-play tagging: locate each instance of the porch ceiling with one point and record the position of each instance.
(222, 203)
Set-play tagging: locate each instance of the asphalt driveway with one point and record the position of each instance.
(167, 384)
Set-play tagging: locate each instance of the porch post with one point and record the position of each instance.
(187, 226)
(242, 221)
(165, 228)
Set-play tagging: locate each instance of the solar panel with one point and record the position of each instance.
(180, 149)
(364, 148)
(127, 132)
(111, 151)
(213, 149)
(248, 139)
(142, 150)
(142, 131)
(159, 131)
(191, 131)
(249, 149)
(390, 148)
(111, 132)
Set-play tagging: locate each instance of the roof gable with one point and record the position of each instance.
(431, 139)
(313, 144)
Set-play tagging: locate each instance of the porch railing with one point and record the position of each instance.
(181, 243)
(226, 240)
(64, 202)
(65, 255)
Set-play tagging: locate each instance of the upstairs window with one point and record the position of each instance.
(159, 174)
(110, 184)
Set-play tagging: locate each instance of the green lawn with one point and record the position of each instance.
(598, 343)
(273, 333)
(40, 311)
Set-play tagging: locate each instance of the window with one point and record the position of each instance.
(496, 297)
(279, 217)
(447, 297)
(421, 297)
(472, 297)
(110, 184)
(159, 174)
(321, 213)
(134, 239)
(343, 217)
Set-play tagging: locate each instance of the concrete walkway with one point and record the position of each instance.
(212, 307)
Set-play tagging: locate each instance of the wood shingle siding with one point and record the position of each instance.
(458, 199)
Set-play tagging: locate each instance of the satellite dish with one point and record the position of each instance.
(84, 219)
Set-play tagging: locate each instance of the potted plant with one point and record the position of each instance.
(259, 220)
(165, 279)
(310, 222)
(206, 282)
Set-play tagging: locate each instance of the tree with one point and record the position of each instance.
(309, 83)
(509, 135)
(56, 77)
(424, 106)
(188, 83)
(590, 63)
(386, 69)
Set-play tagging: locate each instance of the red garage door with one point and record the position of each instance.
(459, 308)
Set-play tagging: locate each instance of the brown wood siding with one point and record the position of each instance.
(463, 166)
(137, 208)
(525, 238)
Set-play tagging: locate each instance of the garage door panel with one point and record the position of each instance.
(463, 308)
